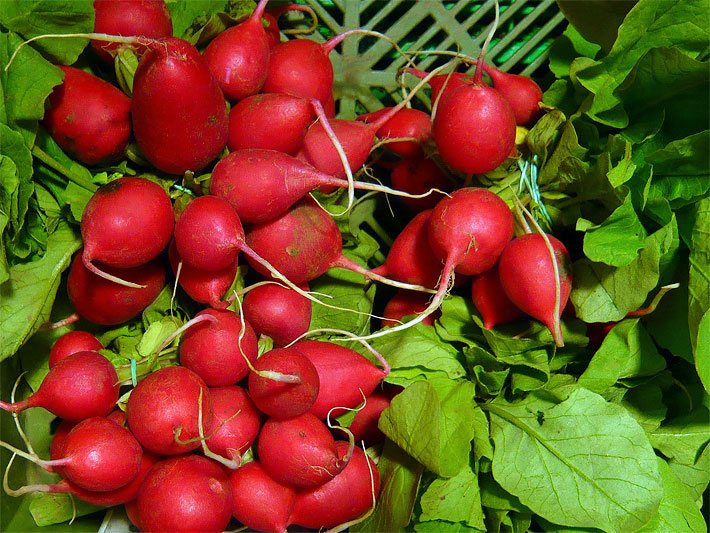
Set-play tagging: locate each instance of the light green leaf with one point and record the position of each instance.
(184, 12)
(588, 464)
(26, 298)
(699, 280)
(695, 476)
(645, 404)
(456, 499)
(442, 526)
(482, 446)
(683, 438)
(433, 424)
(455, 323)
(31, 18)
(678, 511)
(155, 335)
(702, 351)
(400, 475)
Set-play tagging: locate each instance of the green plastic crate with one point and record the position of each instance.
(365, 66)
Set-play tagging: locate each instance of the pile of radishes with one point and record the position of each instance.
(228, 433)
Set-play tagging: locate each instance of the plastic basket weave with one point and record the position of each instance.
(365, 67)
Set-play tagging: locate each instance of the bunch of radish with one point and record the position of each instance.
(228, 433)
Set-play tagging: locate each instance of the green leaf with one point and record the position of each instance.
(699, 280)
(455, 323)
(650, 24)
(482, 446)
(31, 18)
(645, 404)
(442, 526)
(456, 499)
(419, 348)
(433, 424)
(26, 298)
(588, 464)
(489, 373)
(400, 475)
(695, 476)
(598, 21)
(184, 12)
(626, 352)
(683, 438)
(678, 511)
(155, 334)
(702, 351)
(617, 240)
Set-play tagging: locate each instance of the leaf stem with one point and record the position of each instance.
(56, 165)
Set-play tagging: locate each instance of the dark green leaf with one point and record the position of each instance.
(684, 438)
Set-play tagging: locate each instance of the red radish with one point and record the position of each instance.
(89, 118)
(260, 502)
(533, 282)
(82, 385)
(278, 312)
(406, 123)
(122, 495)
(364, 425)
(344, 375)
(474, 127)
(303, 244)
(214, 351)
(346, 497)
(208, 234)
(164, 408)
(441, 84)
(272, 16)
(147, 18)
(299, 451)
(263, 184)
(236, 422)
(417, 176)
(104, 302)
(269, 121)
(280, 399)
(72, 342)
(131, 508)
(126, 223)
(411, 258)
(239, 56)
(405, 303)
(522, 93)
(100, 455)
(203, 287)
(179, 113)
(491, 301)
(186, 493)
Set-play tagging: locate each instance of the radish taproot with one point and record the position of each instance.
(145, 18)
(72, 342)
(299, 451)
(260, 502)
(202, 286)
(163, 410)
(278, 312)
(179, 114)
(83, 385)
(533, 282)
(236, 422)
(89, 118)
(239, 56)
(126, 223)
(284, 399)
(104, 302)
(491, 300)
(406, 303)
(185, 493)
(417, 176)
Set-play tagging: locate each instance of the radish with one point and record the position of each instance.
(533, 282)
(186, 493)
(491, 300)
(278, 312)
(407, 123)
(260, 502)
(179, 113)
(236, 422)
(72, 342)
(269, 121)
(345, 375)
(280, 399)
(303, 244)
(147, 18)
(126, 223)
(163, 410)
(83, 385)
(441, 84)
(522, 93)
(364, 425)
(299, 452)
(417, 176)
(239, 56)
(263, 184)
(203, 287)
(104, 302)
(405, 303)
(122, 495)
(411, 258)
(216, 349)
(89, 118)
(346, 497)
